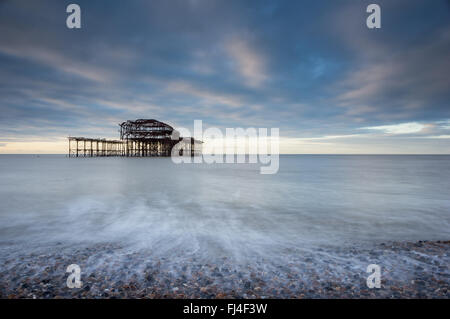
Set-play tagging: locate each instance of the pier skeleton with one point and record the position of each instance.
(140, 138)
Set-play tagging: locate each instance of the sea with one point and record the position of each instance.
(207, 212)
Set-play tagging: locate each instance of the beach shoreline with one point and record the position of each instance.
(408, 270)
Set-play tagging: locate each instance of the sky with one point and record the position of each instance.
(310, 68)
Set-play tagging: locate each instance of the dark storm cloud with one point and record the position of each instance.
(310, 67)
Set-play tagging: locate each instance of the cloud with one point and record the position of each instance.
(248, 62)
(33, 51)
(438, 129)
(391, 76)
(404, 128)
(207, 95)
(438, 136)
(310, 68)
(332, 137)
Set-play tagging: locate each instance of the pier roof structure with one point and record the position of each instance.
(145, 129)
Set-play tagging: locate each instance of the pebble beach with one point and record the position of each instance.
(408, 270)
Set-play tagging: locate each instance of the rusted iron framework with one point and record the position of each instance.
(140, 138)
(89, 147)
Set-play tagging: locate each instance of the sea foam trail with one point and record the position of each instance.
(125, 215)
(224, 210)
(408, 270)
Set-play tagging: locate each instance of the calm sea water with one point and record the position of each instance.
(224, 208)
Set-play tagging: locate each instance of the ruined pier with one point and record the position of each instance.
(140, 138)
